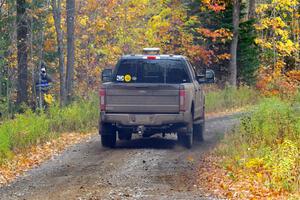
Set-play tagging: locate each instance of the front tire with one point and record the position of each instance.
(108, 135)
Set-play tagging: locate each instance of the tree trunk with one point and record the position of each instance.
(71, 48)
(56, 5)
(22, 37)
(1, 4)
(1, 81)
(251, 11)
(234, 43)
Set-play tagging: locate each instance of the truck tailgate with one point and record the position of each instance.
(142, 98)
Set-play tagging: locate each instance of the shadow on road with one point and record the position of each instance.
(156, 143)
(148, 143)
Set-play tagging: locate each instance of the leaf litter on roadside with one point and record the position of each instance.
(34, 156)
(233, 183)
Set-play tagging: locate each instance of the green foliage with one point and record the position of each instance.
(31, 128)
(248, 61)
(272, 120)
(27, 129)
(267, 142)
(76, 117)
(296, 99)
(230, 98)
(5, 42)
(3, 108)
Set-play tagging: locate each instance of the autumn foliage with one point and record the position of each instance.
(279, 32)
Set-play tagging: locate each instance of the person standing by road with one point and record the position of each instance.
(43, 84)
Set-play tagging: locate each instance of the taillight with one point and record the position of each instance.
(151, 57)
(182, 99)
(102, 94)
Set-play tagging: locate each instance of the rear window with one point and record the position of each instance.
(152, 71)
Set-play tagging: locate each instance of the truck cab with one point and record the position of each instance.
(149, 94)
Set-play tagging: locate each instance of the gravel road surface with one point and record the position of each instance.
(154, 168)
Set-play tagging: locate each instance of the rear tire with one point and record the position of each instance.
(199, 129)
(198, 132)
(186, 138)
(108, 135)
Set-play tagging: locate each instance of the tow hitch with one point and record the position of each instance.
(141, 130)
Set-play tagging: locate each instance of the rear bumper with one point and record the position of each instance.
(144, 119)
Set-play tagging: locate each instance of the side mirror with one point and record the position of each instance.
(208, 78)
(106, 75)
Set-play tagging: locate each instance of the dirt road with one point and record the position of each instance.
(153, 168)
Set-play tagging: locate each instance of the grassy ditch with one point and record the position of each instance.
(31, 128)
(230, 98)
(265, 148)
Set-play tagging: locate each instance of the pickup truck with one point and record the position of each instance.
(151, 94)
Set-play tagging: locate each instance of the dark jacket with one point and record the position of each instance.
(43, 82)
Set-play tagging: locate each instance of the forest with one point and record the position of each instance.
(252, 45)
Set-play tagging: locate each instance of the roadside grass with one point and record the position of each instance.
(230, 98)
(31, 128)
(265, 147)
